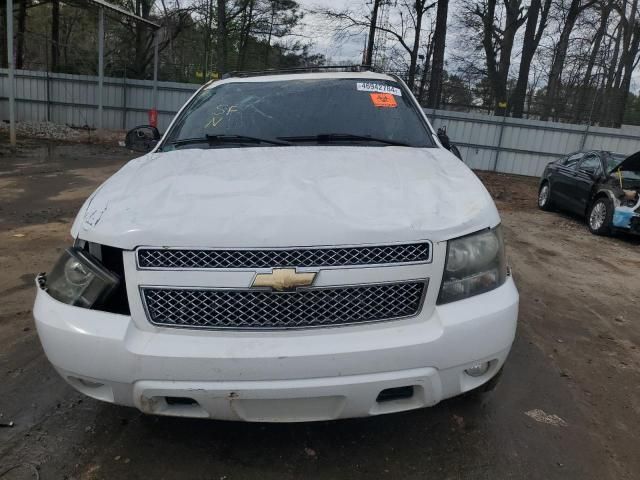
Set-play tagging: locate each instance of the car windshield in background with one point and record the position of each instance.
(297, 112)
(612, 160)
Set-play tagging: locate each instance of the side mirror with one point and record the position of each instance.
(142, 139)
(444, 138)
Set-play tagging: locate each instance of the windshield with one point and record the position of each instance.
(612, 160)
(340, 111)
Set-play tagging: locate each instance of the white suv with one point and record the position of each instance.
(296, 247)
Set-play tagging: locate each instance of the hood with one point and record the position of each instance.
(286, 196)
(630, 164)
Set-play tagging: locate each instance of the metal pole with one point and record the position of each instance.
(593, 105)
(46, 67)
(100, 63)
(10, 64)
(583, 141)
(495, 162)
(155, 68)
(124, 99)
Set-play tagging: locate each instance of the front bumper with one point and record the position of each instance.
(283, 376)
(626, 219)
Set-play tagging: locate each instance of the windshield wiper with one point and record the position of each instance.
(342, 137)
(214, 139)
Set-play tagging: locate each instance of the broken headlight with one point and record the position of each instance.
(79, 279)
(475, 264)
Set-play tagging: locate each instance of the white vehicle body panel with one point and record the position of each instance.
(305, 375)
(287, 196)
(283, 197)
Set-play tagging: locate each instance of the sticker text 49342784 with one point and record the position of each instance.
(378, 87)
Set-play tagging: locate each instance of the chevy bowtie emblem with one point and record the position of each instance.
(282, 279)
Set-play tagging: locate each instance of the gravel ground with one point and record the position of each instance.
(567, 407)
(55, 131)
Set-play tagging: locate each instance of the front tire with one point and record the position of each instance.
(544, 197)
(600, 216)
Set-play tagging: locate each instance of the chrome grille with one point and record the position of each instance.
(262, 309)
(271, 258)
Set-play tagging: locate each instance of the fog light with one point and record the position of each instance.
(478, 369)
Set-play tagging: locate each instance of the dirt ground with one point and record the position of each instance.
(568, 405)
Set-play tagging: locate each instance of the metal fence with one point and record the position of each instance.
(524, 147)
(486, 142)
(73, 99)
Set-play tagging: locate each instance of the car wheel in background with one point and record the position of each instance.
(544, 197)
(600, 216)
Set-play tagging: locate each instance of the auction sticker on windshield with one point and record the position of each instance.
(383, 100)
(378, 87)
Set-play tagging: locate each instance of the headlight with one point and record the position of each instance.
(79, 279)
(475, 264)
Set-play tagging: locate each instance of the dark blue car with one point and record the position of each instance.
(599, 185)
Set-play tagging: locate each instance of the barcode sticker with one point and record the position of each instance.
(378, 88)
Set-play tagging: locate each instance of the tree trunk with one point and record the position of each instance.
(372, 33)
(143, 40)
(532, 35)
(584, 89)
(267, 47)
(419, 11)
(426, 68)
(22, 26)
(497, 88)
(3, 35)
(498, 70)
(560, 55)
(222, 37)
(437, 65)
(55, 34)
(245, 31)
(607, 90)
(629, 59)
(512, 24)
(206, 66)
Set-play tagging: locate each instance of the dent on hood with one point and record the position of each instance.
(302, 196)
(94, 207)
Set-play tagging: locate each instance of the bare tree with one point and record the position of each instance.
(372, 32)
(140, 37)
(571, 14)
(22, 27)
(532, 35)
(628, 59)
(221, 36)
(246, 27)
(498, 28)
(426, 68)
(439, 45)
(580, 104)
(3, 35)
(410, 17)
(55, 34)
